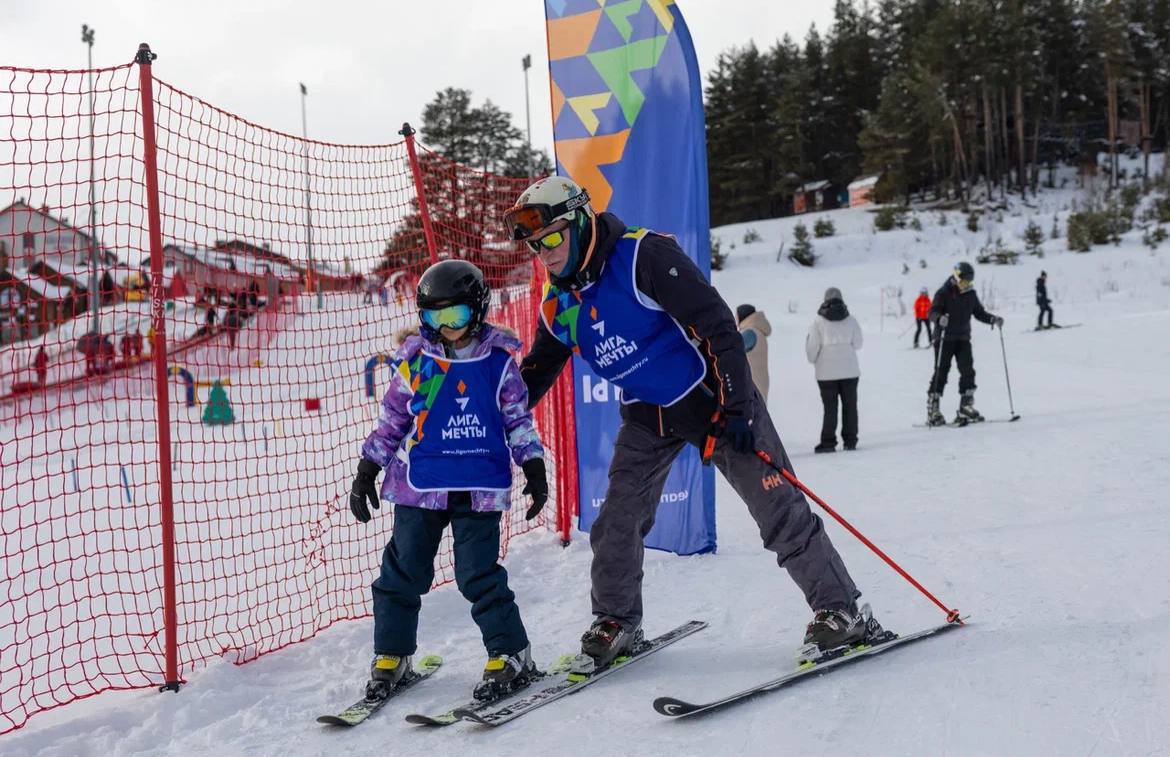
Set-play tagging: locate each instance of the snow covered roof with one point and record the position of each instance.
(45, 289)
(864, 181)
(815, 186)
(245, 264)
(79, 273)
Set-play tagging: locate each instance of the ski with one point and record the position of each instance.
(1054, 328)
(448, 717)
(573, 682)
(952, 424)
(677, 708)
(367, 706)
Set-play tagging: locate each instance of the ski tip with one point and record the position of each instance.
(429, 720)
(430, 662)
(470, 715)
(671, 707)
(333, 720)
(1013, 419)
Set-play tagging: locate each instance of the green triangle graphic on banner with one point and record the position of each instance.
(619, 15)
(615, 67)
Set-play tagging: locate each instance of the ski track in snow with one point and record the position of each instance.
(1050, 532)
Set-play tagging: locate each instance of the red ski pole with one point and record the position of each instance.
(952, 615)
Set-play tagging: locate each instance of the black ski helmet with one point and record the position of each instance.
(453, 282)
(964, 272)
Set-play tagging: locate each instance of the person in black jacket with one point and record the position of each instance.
(640, 312)
(1042, 301)
(952, 308)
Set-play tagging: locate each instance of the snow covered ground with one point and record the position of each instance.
(1052, 533)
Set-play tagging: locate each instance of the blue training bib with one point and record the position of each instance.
(459, 441)
(626, 337)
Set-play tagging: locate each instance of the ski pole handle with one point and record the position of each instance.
(709, 442)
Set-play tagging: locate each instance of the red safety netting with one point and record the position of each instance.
(284, 275)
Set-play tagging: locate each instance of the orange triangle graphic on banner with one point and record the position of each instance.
(583, 157)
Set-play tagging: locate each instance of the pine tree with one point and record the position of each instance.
(1034, 238)
(802, 250)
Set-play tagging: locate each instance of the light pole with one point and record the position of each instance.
(526, 62)
(311, 275)
(94, 294)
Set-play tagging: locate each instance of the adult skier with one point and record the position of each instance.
(954, 304)
(458, 377)
(1042, 301)
(638, 310)
(922, 316)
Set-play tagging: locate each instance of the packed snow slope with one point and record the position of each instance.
(1051, 533)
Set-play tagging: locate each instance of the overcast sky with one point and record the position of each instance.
(369, 65)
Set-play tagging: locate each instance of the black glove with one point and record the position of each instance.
(537, 486)
(364, 489)
(997, 321)
(739, 434)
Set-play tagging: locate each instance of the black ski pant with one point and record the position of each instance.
(408, 570)
(637, 473)
(920, 322)
(1045, 307)
(960, 350)
(845, 392)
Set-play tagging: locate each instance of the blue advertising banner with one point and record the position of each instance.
(628, 126)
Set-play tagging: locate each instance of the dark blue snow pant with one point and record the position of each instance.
(408, 569)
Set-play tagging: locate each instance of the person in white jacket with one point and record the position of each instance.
(832, 344)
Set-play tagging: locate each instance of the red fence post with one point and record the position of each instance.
(425, 214)
(158, 354)
(569, 439)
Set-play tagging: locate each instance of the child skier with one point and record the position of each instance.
(453, 420)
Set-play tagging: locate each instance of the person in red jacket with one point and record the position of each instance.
(41, 365)
(922, 315)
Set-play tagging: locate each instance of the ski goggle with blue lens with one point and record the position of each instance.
(451, 316)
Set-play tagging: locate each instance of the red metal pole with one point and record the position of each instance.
(158, 353)
(425, 214)
(952, 615)
(570, 457)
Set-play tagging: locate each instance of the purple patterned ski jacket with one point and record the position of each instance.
(384, 444)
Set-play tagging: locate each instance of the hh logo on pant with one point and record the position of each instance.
(772, 481)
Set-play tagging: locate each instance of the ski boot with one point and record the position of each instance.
(605, 641)
(832, 631)
(967, 412)
(505, 674)
(386, 672)
(933, 416)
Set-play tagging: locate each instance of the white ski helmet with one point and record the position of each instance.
(545, 202)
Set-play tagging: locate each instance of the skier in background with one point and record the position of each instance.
(458, 382)
(954, 304)
(922, 316)
(1043, 302)
(41, 365)
(670, 343)
(755, 330)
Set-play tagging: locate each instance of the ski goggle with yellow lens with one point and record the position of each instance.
(451, 316)
(547, 242)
